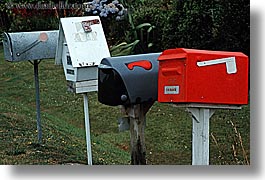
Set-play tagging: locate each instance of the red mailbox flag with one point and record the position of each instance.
(147, 65)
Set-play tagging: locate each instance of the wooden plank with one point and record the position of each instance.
(82, 87)
(86, 83)
(86, 89)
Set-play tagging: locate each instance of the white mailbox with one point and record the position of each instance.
(81, 47)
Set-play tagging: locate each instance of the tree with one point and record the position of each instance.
(208, 24)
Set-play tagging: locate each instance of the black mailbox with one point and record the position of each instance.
(128, 80)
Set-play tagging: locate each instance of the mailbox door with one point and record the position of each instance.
(111, 87)
(171, 80)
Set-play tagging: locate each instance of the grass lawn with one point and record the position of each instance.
(168, 130)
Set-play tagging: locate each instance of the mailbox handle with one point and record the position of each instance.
(147, 65)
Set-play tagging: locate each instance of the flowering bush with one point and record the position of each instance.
(132, 38)
(106, 8)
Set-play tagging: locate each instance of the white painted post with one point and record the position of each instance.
(200, 135)
(87, 126)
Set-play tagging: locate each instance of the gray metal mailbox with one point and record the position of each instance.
(128, 80)
(31, 46)
(25, 46)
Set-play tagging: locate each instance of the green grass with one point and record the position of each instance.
(168, 130)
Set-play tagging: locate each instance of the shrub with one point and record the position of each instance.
(157, 17)
(112, 14)
(210, 24)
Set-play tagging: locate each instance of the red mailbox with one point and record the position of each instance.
(200, 76)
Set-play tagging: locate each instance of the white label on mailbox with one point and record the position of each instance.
(171, 90)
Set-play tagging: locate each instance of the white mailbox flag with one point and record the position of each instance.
(230, 64)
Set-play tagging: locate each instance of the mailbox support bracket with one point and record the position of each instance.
(201, 114)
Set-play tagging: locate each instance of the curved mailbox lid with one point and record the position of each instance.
(141, 80)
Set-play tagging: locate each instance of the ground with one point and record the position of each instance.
(168, 130)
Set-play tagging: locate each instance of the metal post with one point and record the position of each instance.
(37, 90)
(87, 126)
(200, 135)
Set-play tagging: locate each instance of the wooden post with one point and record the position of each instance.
(200, 135)
(137, 118)
(201, 114)
(137, 125)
